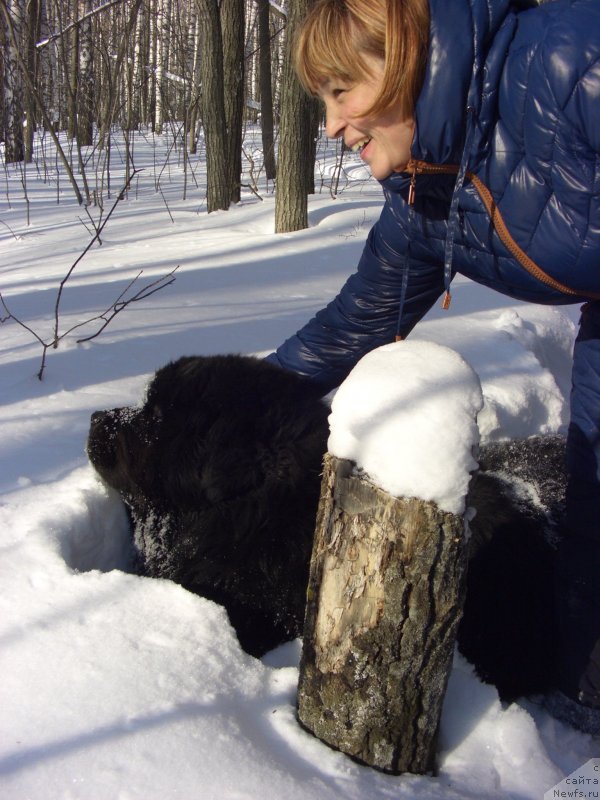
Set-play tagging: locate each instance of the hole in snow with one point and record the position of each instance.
(97, 535)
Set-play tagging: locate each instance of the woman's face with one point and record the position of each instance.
(384, 140)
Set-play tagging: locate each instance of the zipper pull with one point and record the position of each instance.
(412, 189)
(447, 300)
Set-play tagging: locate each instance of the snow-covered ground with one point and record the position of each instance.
(115, 686)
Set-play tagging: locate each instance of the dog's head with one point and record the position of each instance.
(210, 430)
(220, 467)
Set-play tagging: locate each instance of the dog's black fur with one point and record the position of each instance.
(508, 628)
(220, 470)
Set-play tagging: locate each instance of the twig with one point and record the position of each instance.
(120, 304)
(107, 316)
(95, 225)
(96, 236)
(6, 225)
(122, 301)
(333, 191)
(166, 204)
(10, 315)
(76, 22)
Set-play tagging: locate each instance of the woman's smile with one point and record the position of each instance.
(382, 140)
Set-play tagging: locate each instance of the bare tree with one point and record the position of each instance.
(29, 81)
(159, 39)
(88, 66)
(213, 106)
(85, 82)
(140, 69)
(296, 139)
(117, 59)
(232, 27)
(14, 13)
(70, 45)
(265, 83)
(194, 107)
(34, 14)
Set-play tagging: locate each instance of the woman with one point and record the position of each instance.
(482, 122)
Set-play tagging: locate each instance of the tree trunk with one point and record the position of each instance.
(71, 66)
(384, 601)
(232, 27)
(28, 79)
(195, 90)
(85, 84)
(120, 55)
(160, 34)
(13, 83)
(213, 109)
(295, 134)
(31, 34)
(266, 93)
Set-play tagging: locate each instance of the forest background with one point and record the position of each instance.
(98, 70)
(115, 686)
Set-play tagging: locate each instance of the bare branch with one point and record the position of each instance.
(6, 225)
(113, 309)
(120, 304)
(10, 315)
(77, 22)
(96, 236)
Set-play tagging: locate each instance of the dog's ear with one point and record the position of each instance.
(233, 425)
(203, 462)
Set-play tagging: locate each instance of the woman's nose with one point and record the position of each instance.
(334, 123)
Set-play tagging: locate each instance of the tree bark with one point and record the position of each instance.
(32, 31)
(213, 108)
(195, 90)
(160, 36)
(232, 27)
(70, 44)
(295, 139)
(85, 98)
(384, 600)
(266, 92)
(13, 84)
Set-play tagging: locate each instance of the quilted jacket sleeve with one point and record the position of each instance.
(365, 313)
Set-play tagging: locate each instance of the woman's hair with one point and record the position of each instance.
(336, 35)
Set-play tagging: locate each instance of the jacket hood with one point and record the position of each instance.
(460, 37)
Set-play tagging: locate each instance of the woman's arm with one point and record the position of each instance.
(365, 313)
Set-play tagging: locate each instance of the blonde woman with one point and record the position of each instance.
(481, 120)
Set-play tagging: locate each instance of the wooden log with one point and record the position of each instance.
(384, 598)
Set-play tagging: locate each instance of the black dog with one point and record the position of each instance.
(220, 470)
(508, 628)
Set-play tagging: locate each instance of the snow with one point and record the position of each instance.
(407, 415)
(116, 686)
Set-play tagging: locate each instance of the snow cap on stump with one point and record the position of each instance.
(406, 415)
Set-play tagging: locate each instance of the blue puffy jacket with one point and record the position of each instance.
(505, 176)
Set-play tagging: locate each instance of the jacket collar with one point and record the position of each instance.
(460, 36)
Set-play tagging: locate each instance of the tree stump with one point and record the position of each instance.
(384, 600)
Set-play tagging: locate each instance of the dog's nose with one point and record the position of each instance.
(98, 416)
(100, 443)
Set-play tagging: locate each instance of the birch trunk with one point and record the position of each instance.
(13, 84)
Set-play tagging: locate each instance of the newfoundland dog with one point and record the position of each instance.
(220, 470)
